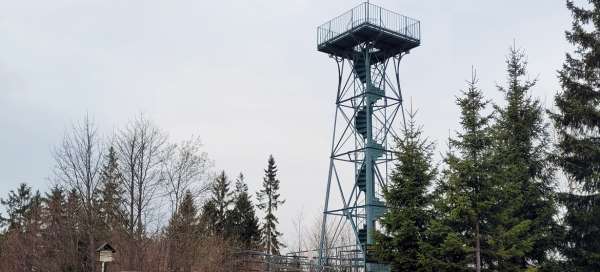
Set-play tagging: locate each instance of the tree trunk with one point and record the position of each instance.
(91, 252)
(477, 247)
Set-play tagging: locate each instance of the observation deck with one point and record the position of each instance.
(389, 33)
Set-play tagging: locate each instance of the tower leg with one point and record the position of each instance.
(323, 236)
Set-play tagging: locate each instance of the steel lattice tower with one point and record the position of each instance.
(367, 44)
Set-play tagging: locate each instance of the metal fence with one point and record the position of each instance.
(337, 259)
(255, 261)
(367, 13)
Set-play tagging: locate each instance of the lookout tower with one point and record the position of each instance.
(367, 44)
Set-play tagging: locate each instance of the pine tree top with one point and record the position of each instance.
(413, 173)
(220, 191)
(474, 132)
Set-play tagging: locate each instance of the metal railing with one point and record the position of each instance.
(340, 258)
(367, 13)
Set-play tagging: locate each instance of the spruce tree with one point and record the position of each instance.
(55, 215)
(32, 232)
(55, 206)
(243, 223)
(577, 122)
(465, 194)
(110, 195)
(269, 202)
(18, 205)
(523, 225)
(57, 233)
(215, 210)
(75, 226)
(405, 224)
(183, 233)
(207, 218)
(24, 232)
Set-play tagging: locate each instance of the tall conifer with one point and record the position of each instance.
(183, 233)
(110, 196)
(18, 205)
(269, 202)
(58, 233)
(215, 210)
(243, 224)
(465, 195)
(403, 241)
(523, 223)
(577, 121)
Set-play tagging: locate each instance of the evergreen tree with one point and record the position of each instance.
(24, 230)
(269, 202)
(522, 227)
(55, 215)
(73, 208)
(110, 194)
(577, 122)
(77, 235)
(215, 210)
(183, 233)
(32, 233)
(207, 218)
(18, 205)
(405, 224)
(57, 233)
(55, 203)
(243, 223)
(465, 194)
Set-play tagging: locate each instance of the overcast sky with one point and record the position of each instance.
(245, 76)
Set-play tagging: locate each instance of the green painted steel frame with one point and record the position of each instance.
(368, 101)
(357, 209)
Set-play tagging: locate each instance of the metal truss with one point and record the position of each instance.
(368, 104)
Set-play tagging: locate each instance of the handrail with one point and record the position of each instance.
(367, 13)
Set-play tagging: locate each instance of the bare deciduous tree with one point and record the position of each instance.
(336, 235)
(185, 168)
(298, 225)
(78, 164)
(140, 147)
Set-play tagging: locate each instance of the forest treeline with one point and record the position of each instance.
(117, 190)
(496, 203)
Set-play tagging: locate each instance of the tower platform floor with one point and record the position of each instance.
(388, 32)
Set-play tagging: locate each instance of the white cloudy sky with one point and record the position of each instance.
(243, 75)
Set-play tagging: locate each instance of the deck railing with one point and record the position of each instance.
(367, 13)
